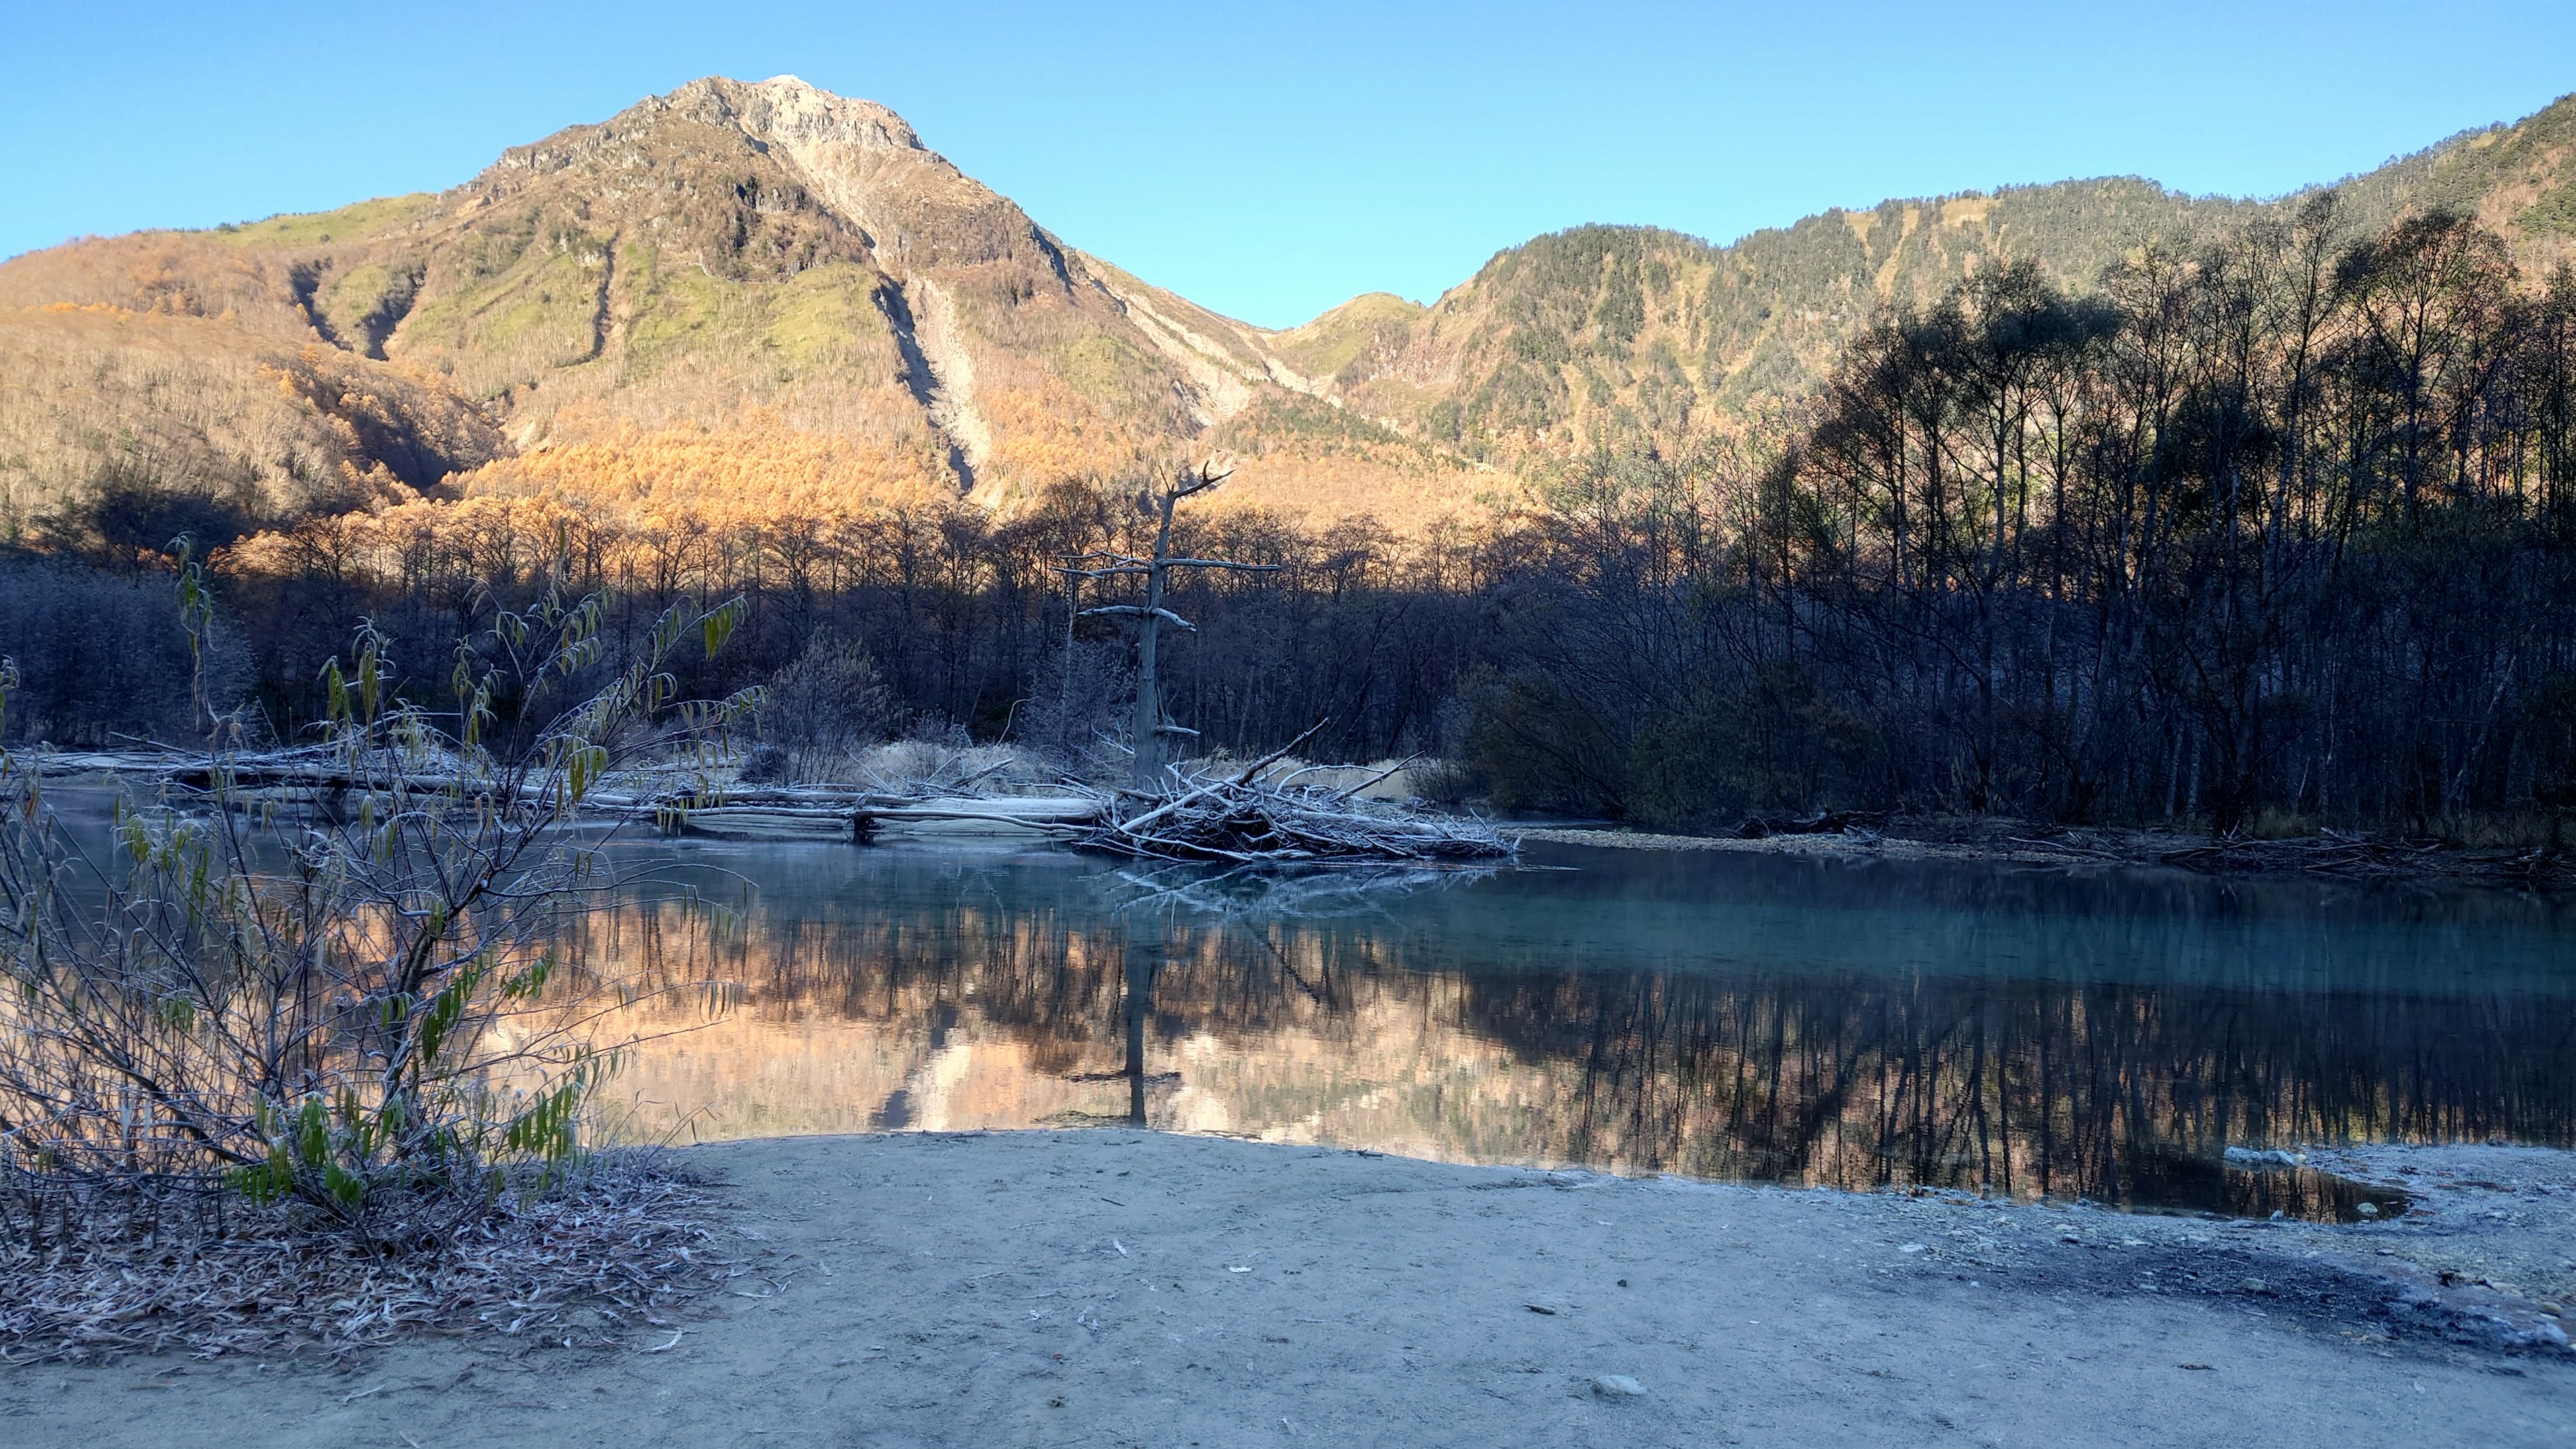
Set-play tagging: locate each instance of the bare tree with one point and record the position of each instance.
(827, 703)
(1146, 774)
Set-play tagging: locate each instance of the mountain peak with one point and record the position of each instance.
(787, 108)
(782, 111)
(842, 173)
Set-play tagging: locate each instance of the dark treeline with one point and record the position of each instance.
(2281, 529)
(102, 658)
(2275, 526)
(941, 622)
(2278, 527)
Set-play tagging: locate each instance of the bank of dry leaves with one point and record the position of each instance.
(599, 1259)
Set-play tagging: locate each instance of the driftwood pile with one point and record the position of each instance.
(316, 768)
(1244, 817)
(1238, 816)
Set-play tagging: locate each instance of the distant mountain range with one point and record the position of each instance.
(760, 296)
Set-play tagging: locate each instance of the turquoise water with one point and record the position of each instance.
(2103, 1035)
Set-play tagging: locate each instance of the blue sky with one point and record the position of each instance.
(1271, 160)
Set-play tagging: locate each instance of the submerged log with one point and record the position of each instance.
(776, 818)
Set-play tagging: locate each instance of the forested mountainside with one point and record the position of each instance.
(741, 295)
(1626, 336)
(731, 272)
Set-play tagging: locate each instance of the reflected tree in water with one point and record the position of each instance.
(1777, 1034)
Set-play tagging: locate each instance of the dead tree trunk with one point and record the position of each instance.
(1149, 729)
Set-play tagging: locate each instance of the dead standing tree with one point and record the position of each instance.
(1241, 818)
(1149, 727)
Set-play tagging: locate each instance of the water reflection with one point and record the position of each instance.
(1722, 1017)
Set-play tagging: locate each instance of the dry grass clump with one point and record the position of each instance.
(927, 767)
(595, 1258)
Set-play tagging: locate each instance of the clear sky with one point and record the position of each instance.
(1269, 160)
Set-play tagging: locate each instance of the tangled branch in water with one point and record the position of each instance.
(1245, 817)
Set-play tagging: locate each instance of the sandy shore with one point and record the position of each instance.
(1122, 1288)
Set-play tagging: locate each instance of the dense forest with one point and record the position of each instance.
(2277, 526)
(2272, 528)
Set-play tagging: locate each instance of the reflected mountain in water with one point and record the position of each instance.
(1720, 1016)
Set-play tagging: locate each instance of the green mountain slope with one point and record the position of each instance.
(1620, 335)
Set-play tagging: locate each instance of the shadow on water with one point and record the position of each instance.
(1725, 1017)
(2175, 1182)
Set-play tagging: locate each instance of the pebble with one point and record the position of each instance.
(1617, 1386)
(2252, 1285)
(2368, 1209)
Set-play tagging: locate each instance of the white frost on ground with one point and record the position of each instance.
(1129, 1288)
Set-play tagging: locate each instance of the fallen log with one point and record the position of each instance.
(727, 820)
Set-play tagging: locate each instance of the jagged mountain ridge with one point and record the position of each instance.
(642, 308)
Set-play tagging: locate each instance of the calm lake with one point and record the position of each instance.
(2032, 1033)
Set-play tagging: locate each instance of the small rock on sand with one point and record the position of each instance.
(1618, 1386)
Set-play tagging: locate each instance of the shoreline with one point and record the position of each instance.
(2334, 857)
(1835, 846)
(1119, 1287)
(1961, 839)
